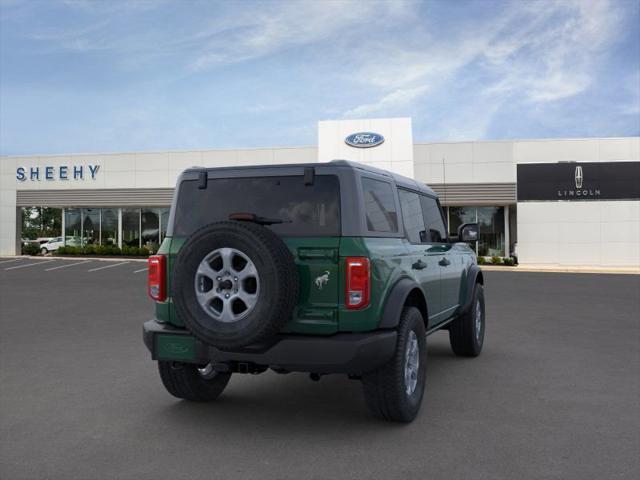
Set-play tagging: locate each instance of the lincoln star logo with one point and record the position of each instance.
(364, 139)
(579, 177)
(322, 280)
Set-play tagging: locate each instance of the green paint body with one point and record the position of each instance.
(321, 306)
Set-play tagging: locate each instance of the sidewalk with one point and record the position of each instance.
(562, 269)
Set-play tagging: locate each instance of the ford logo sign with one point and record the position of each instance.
(364, 139)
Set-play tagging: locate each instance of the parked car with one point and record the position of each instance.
(318, 268)
(55, 243)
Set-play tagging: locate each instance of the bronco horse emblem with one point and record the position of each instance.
(322, 280)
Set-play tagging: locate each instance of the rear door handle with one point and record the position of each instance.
(419, 265)
(444, 262)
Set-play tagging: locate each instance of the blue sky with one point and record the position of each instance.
(104, 76)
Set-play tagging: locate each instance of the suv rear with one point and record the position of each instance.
(318, 268)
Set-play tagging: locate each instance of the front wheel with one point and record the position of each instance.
(394, 391)
(44, 251)
(191, 382)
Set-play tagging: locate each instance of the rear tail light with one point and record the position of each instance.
(156, 278)
(357, 282)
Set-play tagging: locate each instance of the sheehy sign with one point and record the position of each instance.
(575, 181)
(60, 172)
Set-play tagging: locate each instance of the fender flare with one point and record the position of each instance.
(474, 275)
(395, 301)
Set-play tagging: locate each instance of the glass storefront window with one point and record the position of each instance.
(150, 228)
(460, 215)
(491, 223)
(72, 226)
(131, 227)
(109, 227)
(90, 226)
(164, 221)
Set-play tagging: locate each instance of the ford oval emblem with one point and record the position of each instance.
(364, 139)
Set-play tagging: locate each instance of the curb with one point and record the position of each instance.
(558, 269)
(98, 259)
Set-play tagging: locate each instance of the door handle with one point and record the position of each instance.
(419, 265)
(444, 262)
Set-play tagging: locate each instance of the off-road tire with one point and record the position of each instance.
(278, 294)
(462, 331)
(385, 389)
(182, 380)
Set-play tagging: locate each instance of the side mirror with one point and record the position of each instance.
(468, 232)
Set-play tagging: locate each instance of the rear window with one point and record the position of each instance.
(308, 210)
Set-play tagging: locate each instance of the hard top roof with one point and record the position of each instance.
(400, 180)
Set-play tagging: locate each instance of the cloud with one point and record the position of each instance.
(288, 25)
(396, 99)
(538, 51)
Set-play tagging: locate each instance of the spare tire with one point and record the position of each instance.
(234, 284)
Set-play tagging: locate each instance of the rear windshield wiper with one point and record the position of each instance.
(252, 217)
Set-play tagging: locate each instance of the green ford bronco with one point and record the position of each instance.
(321, 268)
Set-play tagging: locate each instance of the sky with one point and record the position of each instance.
(88, 76)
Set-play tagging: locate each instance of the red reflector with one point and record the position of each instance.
(156, 278)
(357, 282)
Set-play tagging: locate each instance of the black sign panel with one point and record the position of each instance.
(579, 181)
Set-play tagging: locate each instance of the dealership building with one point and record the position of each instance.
(560, 202)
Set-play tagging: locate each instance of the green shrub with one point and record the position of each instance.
(481, 261)
(102, 250)
(68, 250)
(496, 260)
(31, 249)
(508, 261)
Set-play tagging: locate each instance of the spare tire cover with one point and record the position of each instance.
(234, 284)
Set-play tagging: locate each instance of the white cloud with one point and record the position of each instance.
(396, 99)
(538, 51)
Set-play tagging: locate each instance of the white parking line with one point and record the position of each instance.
(65, 266)
(9, 261)
(141, 270)
(108, 266)
(30, 264)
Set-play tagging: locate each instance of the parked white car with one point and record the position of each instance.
(57, 242)
(52, 245)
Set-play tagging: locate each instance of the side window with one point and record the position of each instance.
(379, 205)
(412, 216)
(433, 219)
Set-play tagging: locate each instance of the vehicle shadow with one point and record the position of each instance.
(292, 404)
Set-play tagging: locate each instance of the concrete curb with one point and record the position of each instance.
(97, 259)
(559, 269)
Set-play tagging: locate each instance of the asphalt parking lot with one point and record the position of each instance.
(554, 394)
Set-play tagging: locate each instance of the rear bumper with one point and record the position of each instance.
(352, 353)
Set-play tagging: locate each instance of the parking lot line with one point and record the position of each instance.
(65, 266)
(30, 264)
(141, 270)
(9, 261)
(108, 266)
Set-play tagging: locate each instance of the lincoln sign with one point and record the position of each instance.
(575, 181)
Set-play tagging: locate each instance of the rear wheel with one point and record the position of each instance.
(394, 391)
(466, 333)
(191, 382)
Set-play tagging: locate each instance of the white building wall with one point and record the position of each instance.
(395, 154)
(579, 233)
(465, 162)
(8, 210)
